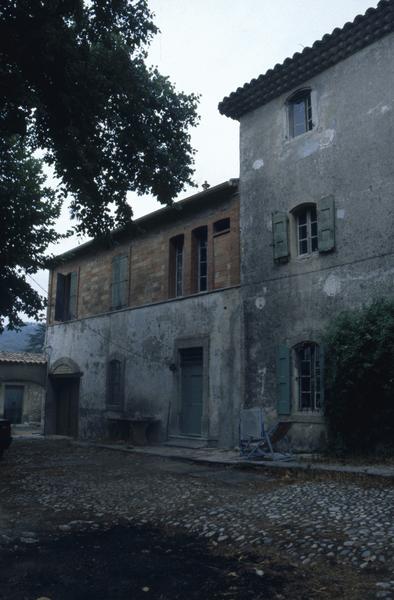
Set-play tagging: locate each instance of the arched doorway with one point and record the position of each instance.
(65, 377)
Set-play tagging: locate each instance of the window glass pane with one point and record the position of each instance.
(302, 218)
(304, 247)
(304, 401)
(222, 225)
(179, 268)
(299, 117)
(114, 383)
(314, 229)
(202, 261)
(203, 284)
(303, 232)
(305, 367)
(308, 361)
(300, 113)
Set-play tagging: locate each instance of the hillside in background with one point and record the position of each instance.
(19, 341)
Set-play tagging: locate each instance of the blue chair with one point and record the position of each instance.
(255, 441)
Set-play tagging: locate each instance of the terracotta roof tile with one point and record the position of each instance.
(331, 49)
(22, 357)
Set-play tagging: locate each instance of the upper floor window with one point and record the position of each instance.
(120, 281)
(307, 238)
(300, 113)
(66, 296)
(200, 236)
(222, 226)
(176, 266)
(312, 229)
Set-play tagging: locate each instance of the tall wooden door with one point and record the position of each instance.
(13, 402)
(191, 390)
(67, 407)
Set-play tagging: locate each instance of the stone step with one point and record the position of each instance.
(185, 442)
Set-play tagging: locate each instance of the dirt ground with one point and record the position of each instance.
(86, 523)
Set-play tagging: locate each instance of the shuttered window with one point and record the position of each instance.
(326, 224)
(309, 377)
(120, 281)
(280, 236)
(300, 378)
(66, 296)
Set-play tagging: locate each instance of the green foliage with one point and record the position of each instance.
(360, 378)
(28, 211)
(37, 339)
(75, 86)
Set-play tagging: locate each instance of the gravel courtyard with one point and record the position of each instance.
(274, 537)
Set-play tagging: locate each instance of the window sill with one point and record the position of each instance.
(219, 233)
(308, 417)
(309, 256)
(302, 136)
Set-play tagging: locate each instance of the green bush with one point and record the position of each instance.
(359, 403)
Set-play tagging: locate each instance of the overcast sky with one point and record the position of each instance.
(211, 47)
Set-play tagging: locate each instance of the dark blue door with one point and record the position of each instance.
(13, 402)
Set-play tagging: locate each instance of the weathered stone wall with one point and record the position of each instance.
(148, 339)
(149, 251)
(347, 155)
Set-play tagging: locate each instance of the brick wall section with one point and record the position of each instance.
(149, 262)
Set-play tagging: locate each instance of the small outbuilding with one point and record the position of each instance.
(22, 387)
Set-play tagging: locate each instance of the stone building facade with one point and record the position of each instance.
(22, 388)
(317, 209)
(218, 302)
(146, 330)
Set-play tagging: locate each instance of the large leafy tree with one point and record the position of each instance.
(28, 212)
(74, 84)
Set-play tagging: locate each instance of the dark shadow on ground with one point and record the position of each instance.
(129, 563)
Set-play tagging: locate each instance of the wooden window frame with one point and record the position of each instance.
(301, 97)
(310, 238)
(118, 404)
(176, 266)
(217, 226)
(200, 250)
(66, 296)
(123, 301)
(308, 377)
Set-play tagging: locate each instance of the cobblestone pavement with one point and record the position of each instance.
(54, 486)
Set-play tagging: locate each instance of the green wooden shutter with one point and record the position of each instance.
(280, 236)
(115, 282)
(120, 281)
(123, 280)
(60, 291)
(326, 224)
(322, 369)
(73, 295)
(283, 375)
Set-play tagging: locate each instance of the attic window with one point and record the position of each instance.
(300, 113)
(222, 226)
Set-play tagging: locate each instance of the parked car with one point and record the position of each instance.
(5, 435)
